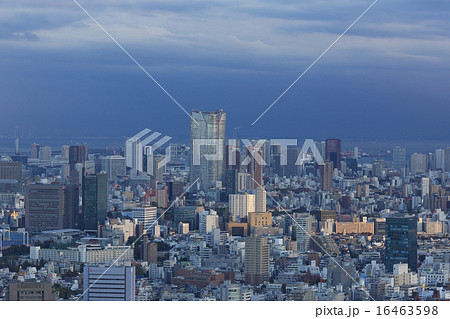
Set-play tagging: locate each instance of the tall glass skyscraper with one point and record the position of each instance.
(95, 195)
(401, 242)
(210, 126)
(333, 152)
(303, 226)
(399, 158)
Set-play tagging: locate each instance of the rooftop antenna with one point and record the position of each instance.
(235, 129)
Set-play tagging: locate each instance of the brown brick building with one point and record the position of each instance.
(198, 278)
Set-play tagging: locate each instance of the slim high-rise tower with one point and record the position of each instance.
(207, 138)
(303, 231)
(399, 158)
(77, 154)
(333, 151)
(254, 167)
(326, 175)
(95, 195)
(260, 200)
(419, 163)
(256, 260)
(439, 156)
(447, 159)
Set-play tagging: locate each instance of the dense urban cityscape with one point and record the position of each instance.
(219, 218)
(293, 153)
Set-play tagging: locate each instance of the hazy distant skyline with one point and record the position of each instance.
(388, 77)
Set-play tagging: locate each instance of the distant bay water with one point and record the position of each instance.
(371, 146)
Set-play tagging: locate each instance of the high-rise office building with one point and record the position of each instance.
(149, 251)
(257, 260)
(266, 153)
(77, 154)
(431, 161)
(255, 166)
(233, 156)
(34, 153)
(291, 169)
(209, 127)
(10, 169)
(153, 166)
(275, 161)
(208, 220)
(356, 152)
(185, 215)
(260, 200)
(114, 166)
(176, 189)
(377, 167)
(303, 231)
(162, 197)
(326, 175)
(72, 215)
(231, 181)
(45, 153)
(333, 151)
(65, 152)
(109, 284)
(419, 163)
(425, 186)
(241, 205)
(95, 191)
(439, 157)
(146, 215)
(401, 242)
(50, 207)
(399, 158)
(321, 147)
(447, 159)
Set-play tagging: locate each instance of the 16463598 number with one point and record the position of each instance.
(407, 310)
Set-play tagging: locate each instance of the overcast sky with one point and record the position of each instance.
(61, 75)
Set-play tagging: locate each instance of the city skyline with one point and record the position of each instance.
(155, 150)
(286, 225)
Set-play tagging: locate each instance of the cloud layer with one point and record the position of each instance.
(393, 64)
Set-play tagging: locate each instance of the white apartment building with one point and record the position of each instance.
(146, 215)
(208, 220)
(241, 205)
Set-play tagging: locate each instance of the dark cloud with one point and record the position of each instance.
(62, 75)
